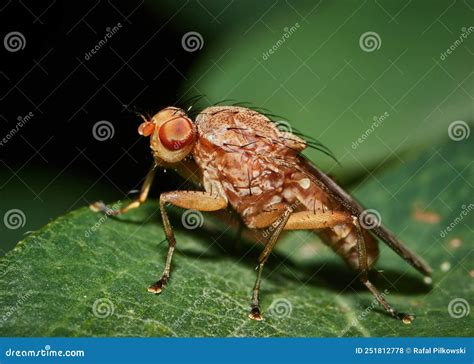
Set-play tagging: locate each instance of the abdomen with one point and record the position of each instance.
(341, 238)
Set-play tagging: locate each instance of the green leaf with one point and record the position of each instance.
(86, 275)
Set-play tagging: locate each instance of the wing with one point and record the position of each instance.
(352, 205)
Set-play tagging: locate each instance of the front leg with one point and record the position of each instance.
(202, 201)
(100, 206)
(278, 225)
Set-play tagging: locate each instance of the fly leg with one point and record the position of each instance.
(307, 220)
(255, 313)
(100, 206)
(201, 201)
(288, 221)
(363, 269)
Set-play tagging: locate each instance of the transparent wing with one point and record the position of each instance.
(352, 205)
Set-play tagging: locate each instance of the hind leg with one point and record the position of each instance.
(308, 220)
(363, 269)
(286, 221)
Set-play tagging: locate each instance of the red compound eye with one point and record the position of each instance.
(176, 133)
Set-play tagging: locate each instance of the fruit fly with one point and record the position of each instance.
(244, 161)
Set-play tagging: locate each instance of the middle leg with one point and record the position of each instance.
(287, 221)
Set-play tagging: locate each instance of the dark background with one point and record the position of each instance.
(68, 94)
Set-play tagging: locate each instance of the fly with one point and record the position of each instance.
(243, 161)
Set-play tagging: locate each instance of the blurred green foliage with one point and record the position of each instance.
(322, 81)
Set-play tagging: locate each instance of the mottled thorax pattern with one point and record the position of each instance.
(239, 149)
